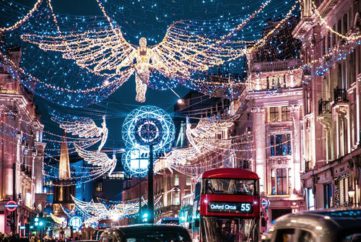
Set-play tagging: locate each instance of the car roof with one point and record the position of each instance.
(331, 220)
(135, 227)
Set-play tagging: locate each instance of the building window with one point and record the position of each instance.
(286, 114)
(279, 181)
(99, 187)
(327, 194)
(176, 198)
(273, 114)
(176, 180)
(310, 199)
(188, 181)
(280, 144)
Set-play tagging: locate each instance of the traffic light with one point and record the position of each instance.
(145, 215)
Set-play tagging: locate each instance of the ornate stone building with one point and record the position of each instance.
(275, 112)
(21, 148)
(332, 75)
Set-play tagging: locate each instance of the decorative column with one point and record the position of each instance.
(358, 116)
(259, 127)
(19, 137)
(33, 164)
(296, 166)
(39, 167)
(9, 154)
(2, 186)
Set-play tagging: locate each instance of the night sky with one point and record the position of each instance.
(137, 18)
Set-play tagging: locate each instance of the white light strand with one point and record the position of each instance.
(24, 19)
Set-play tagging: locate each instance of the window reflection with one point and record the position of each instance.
(230, 186)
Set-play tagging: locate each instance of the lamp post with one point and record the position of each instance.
(150, 185)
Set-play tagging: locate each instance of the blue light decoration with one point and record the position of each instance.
(148, 125)
(144, 126)
(136, 162)
(76, 222)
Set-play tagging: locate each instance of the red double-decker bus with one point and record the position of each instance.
(226, 206)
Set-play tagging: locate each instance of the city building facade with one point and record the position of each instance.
(275, 113)
(21, 150)
(332, 75)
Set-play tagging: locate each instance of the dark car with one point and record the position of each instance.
(318, 226)
(146, 233)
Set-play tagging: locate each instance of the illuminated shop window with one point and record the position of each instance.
(176, 180)
(188, 181)
(99, 187)
(176, 198)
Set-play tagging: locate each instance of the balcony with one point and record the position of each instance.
(340, 95)
(275, 65)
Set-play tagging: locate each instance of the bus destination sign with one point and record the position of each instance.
(230, 207)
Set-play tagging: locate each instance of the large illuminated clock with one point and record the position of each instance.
(145, 126)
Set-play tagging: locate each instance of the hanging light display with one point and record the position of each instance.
(98, 46)
(144, 126)
(95, 211)
(85, 128)
(148, 125)
(205, 146)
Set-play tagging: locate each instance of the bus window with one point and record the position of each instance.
(231, 186)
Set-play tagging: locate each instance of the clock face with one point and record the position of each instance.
(148, 125)
(144, 126)
(148, 132)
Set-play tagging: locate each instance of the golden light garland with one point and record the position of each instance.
(24, 19)
(353, 36)
(108, 82)
(177, 56)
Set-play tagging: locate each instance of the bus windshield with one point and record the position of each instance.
(230, 186)
(216, 229)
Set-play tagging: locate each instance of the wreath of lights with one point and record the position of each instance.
(148, 125)
(144, 126)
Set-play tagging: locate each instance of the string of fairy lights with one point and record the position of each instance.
(59, 25)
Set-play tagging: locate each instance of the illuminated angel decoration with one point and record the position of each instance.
(96, 158)
(107, 53)
(86, 128)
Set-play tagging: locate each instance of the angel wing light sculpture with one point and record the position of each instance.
(107, 53)
(85, 128)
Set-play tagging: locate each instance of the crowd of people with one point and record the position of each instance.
(33, 238)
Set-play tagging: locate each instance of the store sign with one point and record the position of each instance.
(230, 207)
(11, 206)
(265, 203)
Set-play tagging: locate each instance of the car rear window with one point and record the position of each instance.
(157, 235)
(354, 237)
